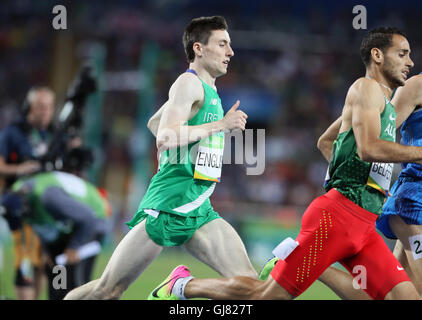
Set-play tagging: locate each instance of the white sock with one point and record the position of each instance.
(179, 287)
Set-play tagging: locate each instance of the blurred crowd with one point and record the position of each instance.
(301, 57)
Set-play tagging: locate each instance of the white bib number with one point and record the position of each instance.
(209, 159)
(380, 176)
(416, 246)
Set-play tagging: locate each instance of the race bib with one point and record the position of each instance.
(209, 159)
(380, 176)
(415, 246)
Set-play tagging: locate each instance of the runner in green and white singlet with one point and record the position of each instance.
(176, 209)
(181, 185)
(186, 179)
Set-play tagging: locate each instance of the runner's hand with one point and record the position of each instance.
(234, 118)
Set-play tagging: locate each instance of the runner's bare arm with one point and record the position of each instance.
(366, 101)
(407, 98)
(154, 121)
(325, 142)
(173, 130)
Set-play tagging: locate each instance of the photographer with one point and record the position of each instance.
(33, 146)
(22, 144)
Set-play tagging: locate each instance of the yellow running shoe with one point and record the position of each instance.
(267, 268)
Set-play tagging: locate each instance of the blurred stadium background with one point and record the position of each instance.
(293, 63)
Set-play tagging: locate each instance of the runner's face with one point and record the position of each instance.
(217, 53)
(397, 62)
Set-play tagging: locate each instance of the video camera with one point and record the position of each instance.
(70, 123)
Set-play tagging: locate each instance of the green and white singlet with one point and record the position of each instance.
(187, 175)
(365, 183)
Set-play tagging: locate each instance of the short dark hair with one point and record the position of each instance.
(199, 30)
(380, 38)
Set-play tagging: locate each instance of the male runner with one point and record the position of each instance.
(340, 225)
(401, 215)
(176, 209)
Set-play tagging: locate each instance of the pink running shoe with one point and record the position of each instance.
(164, 290)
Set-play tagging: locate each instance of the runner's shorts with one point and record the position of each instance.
(406, 202)
(334, 229)
(168, 229)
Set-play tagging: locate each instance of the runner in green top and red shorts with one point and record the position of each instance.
(356, 193)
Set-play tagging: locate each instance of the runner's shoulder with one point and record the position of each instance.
(189, 79)
(365, 84)
(364, 87)
(190, 84)
(414, 83)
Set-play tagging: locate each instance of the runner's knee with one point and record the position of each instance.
(403, 291)
(103, 291)
(251, 273)
(271, 290)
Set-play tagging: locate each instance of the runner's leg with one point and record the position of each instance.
(130, 258)
(404, 231)
(218, 245)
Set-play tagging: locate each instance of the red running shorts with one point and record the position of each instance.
(335, 229)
